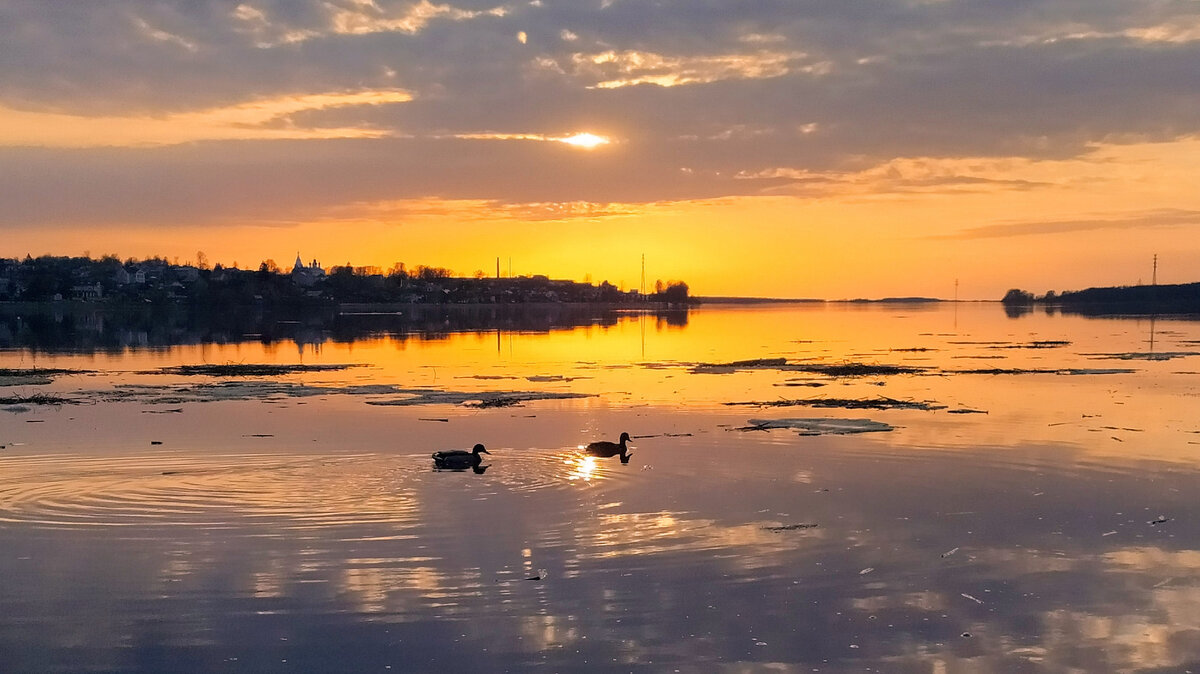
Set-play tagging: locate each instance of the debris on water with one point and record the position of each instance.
(16, 409)
(1001, 370)
(661, 435)
(966, 635)
(488, 376)
(880, 403)
(967, 596)
(867, 570)
(552, 377)
(1116, 438)
(173, 410)
(246, 370)
(38, 399)
(1152, 355)
(35, 421)
(498, 401)
(917, 349)
(33, 376)
(156, 442)
(1108, 533)
(819, 426)
(807, 384)
(1060, 371)
(258, 435)
(949, 552)
(541, 575)
(966, 410)
(481, 400)
(1040, 344)
(860, 369)
(444, 421)
(1159, 520)
(845, 369)
(743, 364)
(789, 527)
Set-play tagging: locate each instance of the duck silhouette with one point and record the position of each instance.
(460, 459)
(606, 449)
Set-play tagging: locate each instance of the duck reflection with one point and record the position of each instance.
(478, 470)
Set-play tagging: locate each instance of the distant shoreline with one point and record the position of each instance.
(1180, 298)
(781, 300)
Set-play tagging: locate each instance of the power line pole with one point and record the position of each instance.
(1154, 278)
(643, 288)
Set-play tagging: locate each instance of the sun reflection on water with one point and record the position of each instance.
(582, 468)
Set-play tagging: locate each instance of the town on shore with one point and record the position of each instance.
(156, 280)
(1179, 298)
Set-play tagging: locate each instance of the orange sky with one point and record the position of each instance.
(797, 153)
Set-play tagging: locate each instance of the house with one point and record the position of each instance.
(87, 292)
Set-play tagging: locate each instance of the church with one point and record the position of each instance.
(306, 275)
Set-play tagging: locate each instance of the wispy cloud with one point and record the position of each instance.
(613, 69)
(1135, 220)
(252, 120)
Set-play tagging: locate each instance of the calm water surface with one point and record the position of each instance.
(1039, 515)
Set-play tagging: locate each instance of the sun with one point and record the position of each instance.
(586, 141)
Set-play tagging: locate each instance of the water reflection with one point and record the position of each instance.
(85, 328)
(1052, 533)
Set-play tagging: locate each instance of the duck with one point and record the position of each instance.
(458, 458)
(606, 449)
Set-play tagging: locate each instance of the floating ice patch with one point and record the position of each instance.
(821, 426)
(879, 403)
(247, 369)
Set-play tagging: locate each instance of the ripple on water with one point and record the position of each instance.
(283, 492)
(288, 493)
(547, 470)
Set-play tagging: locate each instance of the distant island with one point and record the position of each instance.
(1181, 298)
(110, 280)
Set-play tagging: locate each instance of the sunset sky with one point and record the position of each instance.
(795, 148)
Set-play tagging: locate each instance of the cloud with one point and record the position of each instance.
(259, 119)
(1136, 220)
(778, 97)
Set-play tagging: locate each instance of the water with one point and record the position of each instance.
(1036, 521)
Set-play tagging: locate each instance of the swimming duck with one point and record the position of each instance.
(458, 458)
(607, 449)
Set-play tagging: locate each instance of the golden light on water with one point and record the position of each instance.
(582, 468)
(586, 141)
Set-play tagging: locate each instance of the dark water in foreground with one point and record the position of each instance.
(1039, 516)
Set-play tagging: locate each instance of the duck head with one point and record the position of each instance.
(478, 449)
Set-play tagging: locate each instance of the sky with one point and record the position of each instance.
(786, 148)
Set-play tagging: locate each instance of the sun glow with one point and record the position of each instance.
(586, 141)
